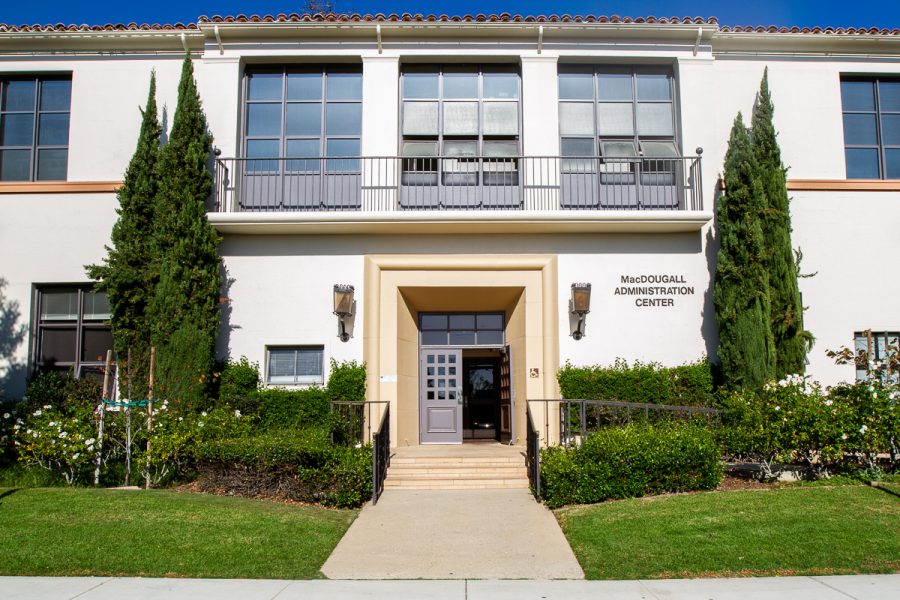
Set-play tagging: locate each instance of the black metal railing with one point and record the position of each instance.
(533, 454)
(396, 184)
(381, 454)
(352, 420)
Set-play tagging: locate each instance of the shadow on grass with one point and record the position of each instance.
(872, 484)
(8, 493)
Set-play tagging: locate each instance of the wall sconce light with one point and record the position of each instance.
(345, 309)
(579, 307)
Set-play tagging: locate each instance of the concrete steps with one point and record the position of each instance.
(475, 466)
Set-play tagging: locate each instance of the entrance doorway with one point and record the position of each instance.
(481, 399)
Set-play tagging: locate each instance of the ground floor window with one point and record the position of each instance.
(294, 365)
(72, 331)
(882, 351)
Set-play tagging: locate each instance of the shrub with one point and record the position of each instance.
(304, 467)
(685, 385)
(238, 380)
(631, 461)
(292, 409)
(347, 381)
(59, 440)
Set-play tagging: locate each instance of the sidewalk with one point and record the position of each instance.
(859, 587)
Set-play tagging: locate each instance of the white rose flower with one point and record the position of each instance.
(47, 407)
(237, 414)
(203, 414)
(777, 408)
(37, 413)
(89, 442)
(828, 402)
(76, 455)
(6, 415)
(200, 424)
(863, 429)
(63, 435)
(844, 436)
(52, 423)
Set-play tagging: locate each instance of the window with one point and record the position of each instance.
(881, 350)
(34, 128)
(871, 127)
(72, 329)
(461, 113)
(616, 113)
(294, 364)
(303, 113)
(462, 329)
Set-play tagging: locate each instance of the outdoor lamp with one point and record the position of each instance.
(579, 307)
(345, 309)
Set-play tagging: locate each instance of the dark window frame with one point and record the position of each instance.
(449, 330)
(79, 366)
(36, 111)
(877, 112)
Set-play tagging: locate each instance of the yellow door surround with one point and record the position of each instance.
(398, 287)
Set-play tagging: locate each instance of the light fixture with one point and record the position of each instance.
(579, 307)
(345, 309)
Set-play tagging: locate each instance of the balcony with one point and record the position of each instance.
(514, 194)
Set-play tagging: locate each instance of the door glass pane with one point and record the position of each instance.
(53, 129)
(56, 306)
(14, 165)
(614, 86)
(858, 95)
(58, 345)
(460, 85)
(262, 149)
(420, 85)
(462, 321)
(501, 118)
(304, 86)
(862, 163)
(501, 149)
(655, 119)
(859, 130)
(892, 163)
(461, 118)
(576, 118)
(578, 147)
(263, 119)
(96, 306)
(343, 119)
(344, 86)
(420, 118)
(264, 86)
(434, 338)
(303, 149)
(501, 85)
(653, 87)
(341, 147)
(303, 119)
(95, 343)
(889, 95)
(890, 130)
(17, 130)
(52, 164)
(615, 118)
(56, 94)
(576, 86)
(493, 338)
(17, 95)
(460, 148)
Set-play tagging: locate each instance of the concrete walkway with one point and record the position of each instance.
(454, 534)
(857, 587)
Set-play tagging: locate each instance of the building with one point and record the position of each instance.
(461, 173)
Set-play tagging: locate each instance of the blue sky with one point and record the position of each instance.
(747, 12)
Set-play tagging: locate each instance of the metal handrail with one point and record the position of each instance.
(356, 418)
(533, 454)
(381, 454)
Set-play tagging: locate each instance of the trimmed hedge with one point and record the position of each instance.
(292, 409)
(685, 385)
(304, 467)
(629, 462)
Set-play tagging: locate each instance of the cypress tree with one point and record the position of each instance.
(126, 274)
(184, 310)
(787, 311)
(741, 287)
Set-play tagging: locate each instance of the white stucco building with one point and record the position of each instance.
(461, 175)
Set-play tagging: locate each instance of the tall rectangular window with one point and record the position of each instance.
(72, 331)
(300, 112)
(871, 115)
(881, 349)
(34, 127)
(294, 365)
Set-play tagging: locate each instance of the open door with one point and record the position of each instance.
(440, 396)
(506, 393)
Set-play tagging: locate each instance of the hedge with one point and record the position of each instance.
(685, 385)
(631, 461)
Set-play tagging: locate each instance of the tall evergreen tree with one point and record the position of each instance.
(126, 274)
(787, 311)
(184, 310)
(741, 287)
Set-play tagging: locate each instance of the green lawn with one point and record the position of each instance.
(783, 531)
(59, 531)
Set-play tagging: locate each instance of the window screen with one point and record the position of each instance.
(295, 364)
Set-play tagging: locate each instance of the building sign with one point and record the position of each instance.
(654, 290)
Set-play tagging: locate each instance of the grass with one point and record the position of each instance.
(792, 530)
(59, 531)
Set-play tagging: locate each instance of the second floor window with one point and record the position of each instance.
(300, 112)
(871, 108)
(34, 128)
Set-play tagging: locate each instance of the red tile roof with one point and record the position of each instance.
(62, 27)
(811, 30)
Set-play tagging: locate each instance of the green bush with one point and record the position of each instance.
(631, 461)
(347, 381)
(686, 385)
(292, 409)
(303, 466)
(239, 379)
